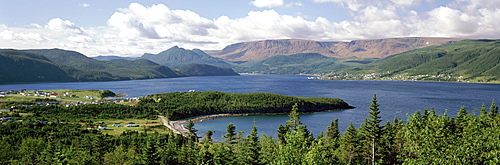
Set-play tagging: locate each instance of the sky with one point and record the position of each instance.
(131, 28)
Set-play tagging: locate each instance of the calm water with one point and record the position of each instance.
(397, 98)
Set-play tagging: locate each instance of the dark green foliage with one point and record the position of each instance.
(18, 67)
(468, 58)
(119, 68)
(91, 111)
(179, 105)
(204, 70)
(107, 93)
(424, 139)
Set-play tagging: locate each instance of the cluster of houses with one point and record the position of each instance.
(105, 127)
(40, 93)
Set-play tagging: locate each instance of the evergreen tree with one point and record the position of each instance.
(332, 131)
(294, 118)
(231, 133)
(349, 145)
(192, 131)
(208, 136)
(493, 110)
(373, 127)
(482, 111)
(282, 131)
(253, 146)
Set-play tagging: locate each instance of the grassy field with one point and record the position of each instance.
(79, 93)
(144, 126)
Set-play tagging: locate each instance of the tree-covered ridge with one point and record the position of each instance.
(89, 111)
(20, 67)
(473, 59)
(179, 105)
(120, 69)
(425, 138)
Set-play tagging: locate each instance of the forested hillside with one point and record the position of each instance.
(21, 67)
(477, 60)
(121, 69)
(424, 138)
(180, 105)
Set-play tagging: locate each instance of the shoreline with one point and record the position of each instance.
(178, 125)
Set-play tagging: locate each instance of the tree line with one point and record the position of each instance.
(425, 138)
(180, 105)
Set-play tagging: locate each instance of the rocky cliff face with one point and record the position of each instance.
(376, 48)
(261, 49)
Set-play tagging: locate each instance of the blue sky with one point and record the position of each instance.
(131, 28)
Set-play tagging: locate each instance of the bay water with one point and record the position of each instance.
(396, 98)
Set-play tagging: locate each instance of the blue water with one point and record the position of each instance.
(396, 98)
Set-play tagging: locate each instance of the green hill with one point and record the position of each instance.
(204, 70)
(470, 60)
(23, 67)
(176, 56)
(307, 63)
(122, 69)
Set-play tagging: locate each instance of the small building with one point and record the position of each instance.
(102, 127)
(132, 125)
(6, 119)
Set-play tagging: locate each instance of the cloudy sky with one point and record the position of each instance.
(131, 28)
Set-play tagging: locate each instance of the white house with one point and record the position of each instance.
(102, 127)
(132, 125)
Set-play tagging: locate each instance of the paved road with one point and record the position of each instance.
(175, 126)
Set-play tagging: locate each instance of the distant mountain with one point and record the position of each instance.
(108, 58)
(476, 60)
(204, 70)
(376, 48)
(24, 67)
(261, 49)
(123, 69)
(176, 56)
(302, 63)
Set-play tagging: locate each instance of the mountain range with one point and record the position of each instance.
(375, 48)
(475, 60)
(57, 65)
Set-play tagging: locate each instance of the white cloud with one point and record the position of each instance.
(353, 5)
(11, 35)
(57, 24)
(137, 29)
(274, 3)
(159, 22)
(81, 39)
(84, 5)
(268, 3)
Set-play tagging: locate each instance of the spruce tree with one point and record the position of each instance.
(231, 133)
(192, 131)
(493, 110)
(332, 131)
(373, 127)
(349, 144)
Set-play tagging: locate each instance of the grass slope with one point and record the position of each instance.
(475, 60)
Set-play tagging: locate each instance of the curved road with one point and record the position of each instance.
(175, 126)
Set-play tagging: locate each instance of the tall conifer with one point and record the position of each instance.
(373, 126)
